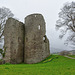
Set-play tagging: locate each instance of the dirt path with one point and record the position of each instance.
(69, 57)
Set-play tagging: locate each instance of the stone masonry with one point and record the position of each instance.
(36, 42)
(14, 41)
(26, 42)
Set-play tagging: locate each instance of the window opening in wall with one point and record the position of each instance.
(44, 39)
(2, 43)
(35, 15)
(39, 27)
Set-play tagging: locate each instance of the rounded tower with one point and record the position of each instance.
(36, 43)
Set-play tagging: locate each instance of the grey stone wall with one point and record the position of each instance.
(26, 42)
(14, 41)
(36, 43)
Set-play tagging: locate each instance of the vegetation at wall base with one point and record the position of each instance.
(0, 61)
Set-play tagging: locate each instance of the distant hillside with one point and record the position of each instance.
(55, 50)
(72, 52)
(66, 52)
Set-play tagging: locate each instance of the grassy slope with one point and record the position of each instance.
(58, 66)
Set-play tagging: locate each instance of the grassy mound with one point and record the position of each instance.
(53, 65)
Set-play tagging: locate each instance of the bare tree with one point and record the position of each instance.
(5, 13)
(66, 22)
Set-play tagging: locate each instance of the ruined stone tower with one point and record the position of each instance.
(26, 42)
(14, 41)
(36, 42)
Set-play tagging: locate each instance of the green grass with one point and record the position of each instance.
(53, 65)
(73, 56)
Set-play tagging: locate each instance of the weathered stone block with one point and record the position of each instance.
(14, 41)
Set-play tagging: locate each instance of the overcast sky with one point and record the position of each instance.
(48, 8)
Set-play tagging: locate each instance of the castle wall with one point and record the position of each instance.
(14, 41)
(36, 44)
(26, 42)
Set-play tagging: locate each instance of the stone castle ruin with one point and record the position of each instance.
(26, 42)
